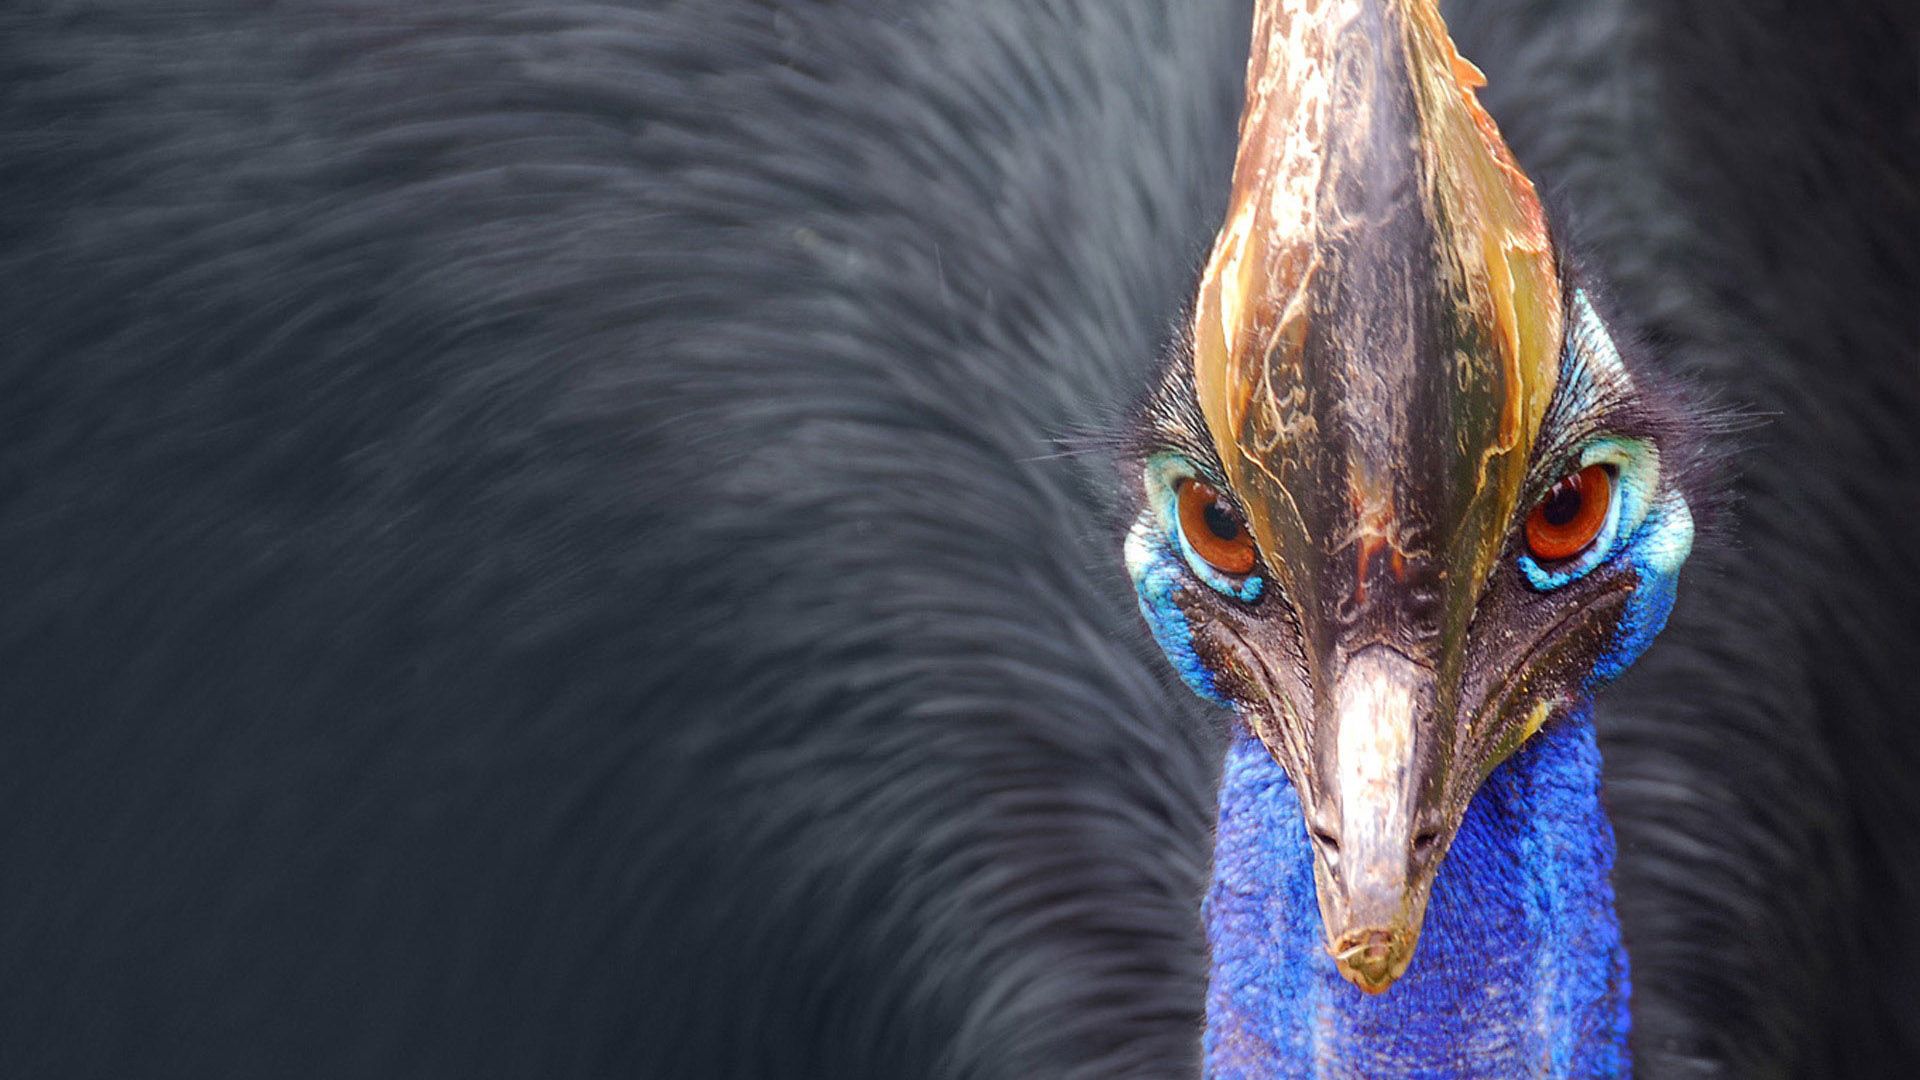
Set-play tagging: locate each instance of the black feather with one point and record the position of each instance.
(528, 544)
(1736, 175)
(522, 553)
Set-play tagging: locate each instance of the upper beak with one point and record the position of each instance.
(1374, 867)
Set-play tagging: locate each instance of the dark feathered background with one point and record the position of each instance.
(534, 539)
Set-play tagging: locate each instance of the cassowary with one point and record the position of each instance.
(576, 539)
(1406, 508)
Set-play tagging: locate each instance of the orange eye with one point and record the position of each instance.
(1568, 519)
(1213, 529)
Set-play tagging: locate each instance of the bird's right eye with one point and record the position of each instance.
(1570, 517)
(1213, 528)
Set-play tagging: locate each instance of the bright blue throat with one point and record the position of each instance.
(1519, 971)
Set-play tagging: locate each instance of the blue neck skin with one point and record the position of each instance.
(1519, 970)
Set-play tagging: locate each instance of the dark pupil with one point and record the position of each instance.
(1562, 504)
(1221, 522)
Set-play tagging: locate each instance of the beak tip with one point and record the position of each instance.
(1373, 960)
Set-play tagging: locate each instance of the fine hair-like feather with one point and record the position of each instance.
(531, 543)
(1739, 178)
(529, 547)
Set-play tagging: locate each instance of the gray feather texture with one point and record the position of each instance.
(1746, 180)
(534, 541)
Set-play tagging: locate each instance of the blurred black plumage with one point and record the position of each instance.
(532, 540)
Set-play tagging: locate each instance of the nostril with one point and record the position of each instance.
(1425, 841)
(1326, 839)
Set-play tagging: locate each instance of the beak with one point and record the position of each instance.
(1374, 868)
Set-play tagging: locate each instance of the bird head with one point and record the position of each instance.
(1402, 501)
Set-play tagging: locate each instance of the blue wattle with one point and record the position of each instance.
(1519, 971)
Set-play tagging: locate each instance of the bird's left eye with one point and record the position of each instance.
(1213, 528)
(1566, 522)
